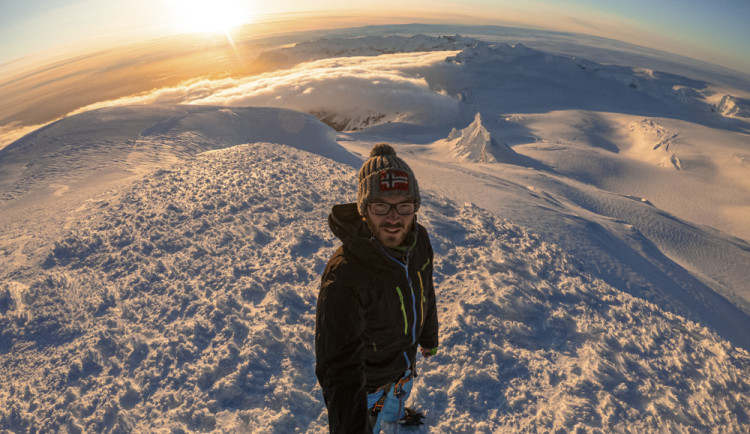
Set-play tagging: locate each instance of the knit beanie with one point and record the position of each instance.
(385, 175)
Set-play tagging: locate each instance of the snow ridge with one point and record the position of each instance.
(475, 144)
(146, 137)
(361, 46)
(346, 122)
(191, 302)
(483, 52)
(733, 107)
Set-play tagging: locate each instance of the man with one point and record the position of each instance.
(377, 302)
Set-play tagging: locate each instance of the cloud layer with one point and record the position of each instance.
(355, 86)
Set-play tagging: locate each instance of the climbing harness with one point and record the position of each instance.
(398, 392)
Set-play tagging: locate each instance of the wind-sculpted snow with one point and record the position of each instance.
(730, 106)
(530, 343)
(652, 136)
(137, 139)
(188, 305)
(189, 301)
(475, 144)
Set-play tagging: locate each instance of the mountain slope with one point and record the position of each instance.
(179, 300)
(86, 142)
(51, 177)
(191, 302)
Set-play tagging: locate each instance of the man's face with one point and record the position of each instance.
(390, 229)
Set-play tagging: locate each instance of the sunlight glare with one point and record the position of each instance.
(210, 16)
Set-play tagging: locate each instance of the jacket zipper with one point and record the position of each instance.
(405, 266)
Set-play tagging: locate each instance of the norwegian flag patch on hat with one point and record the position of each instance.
(394, 180)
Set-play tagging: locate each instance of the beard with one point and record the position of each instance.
(384, 232)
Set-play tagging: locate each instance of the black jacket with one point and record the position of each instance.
(375, 306)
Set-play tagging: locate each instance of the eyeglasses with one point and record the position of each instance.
(381, 208)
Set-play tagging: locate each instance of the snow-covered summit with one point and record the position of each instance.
(357, 121)
(135, 139)
(188, 303)
(475, 144)
(731, 106)
(487, 52)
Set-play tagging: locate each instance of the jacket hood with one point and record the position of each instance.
(346, 223)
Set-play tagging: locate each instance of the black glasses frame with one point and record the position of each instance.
(412, 208)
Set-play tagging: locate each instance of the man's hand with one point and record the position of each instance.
(427, 352)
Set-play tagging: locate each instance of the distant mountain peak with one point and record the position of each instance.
(362, 46)
(733, 107)
(484, 52)
(475, 143)
(356, 121)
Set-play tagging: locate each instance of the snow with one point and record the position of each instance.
(475, 144)
(160, 263)
(361, 46)
(184, 298)
(731, 106)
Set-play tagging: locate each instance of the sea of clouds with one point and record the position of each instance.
(358, 86)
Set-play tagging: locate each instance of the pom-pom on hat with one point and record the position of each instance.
(385, 175)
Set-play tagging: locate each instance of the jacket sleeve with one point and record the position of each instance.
(429, 337)
(339, 354)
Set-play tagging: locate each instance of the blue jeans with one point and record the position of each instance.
(393, 407)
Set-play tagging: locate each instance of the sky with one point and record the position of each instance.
(713, 31)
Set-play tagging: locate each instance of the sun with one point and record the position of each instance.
(209, 16)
